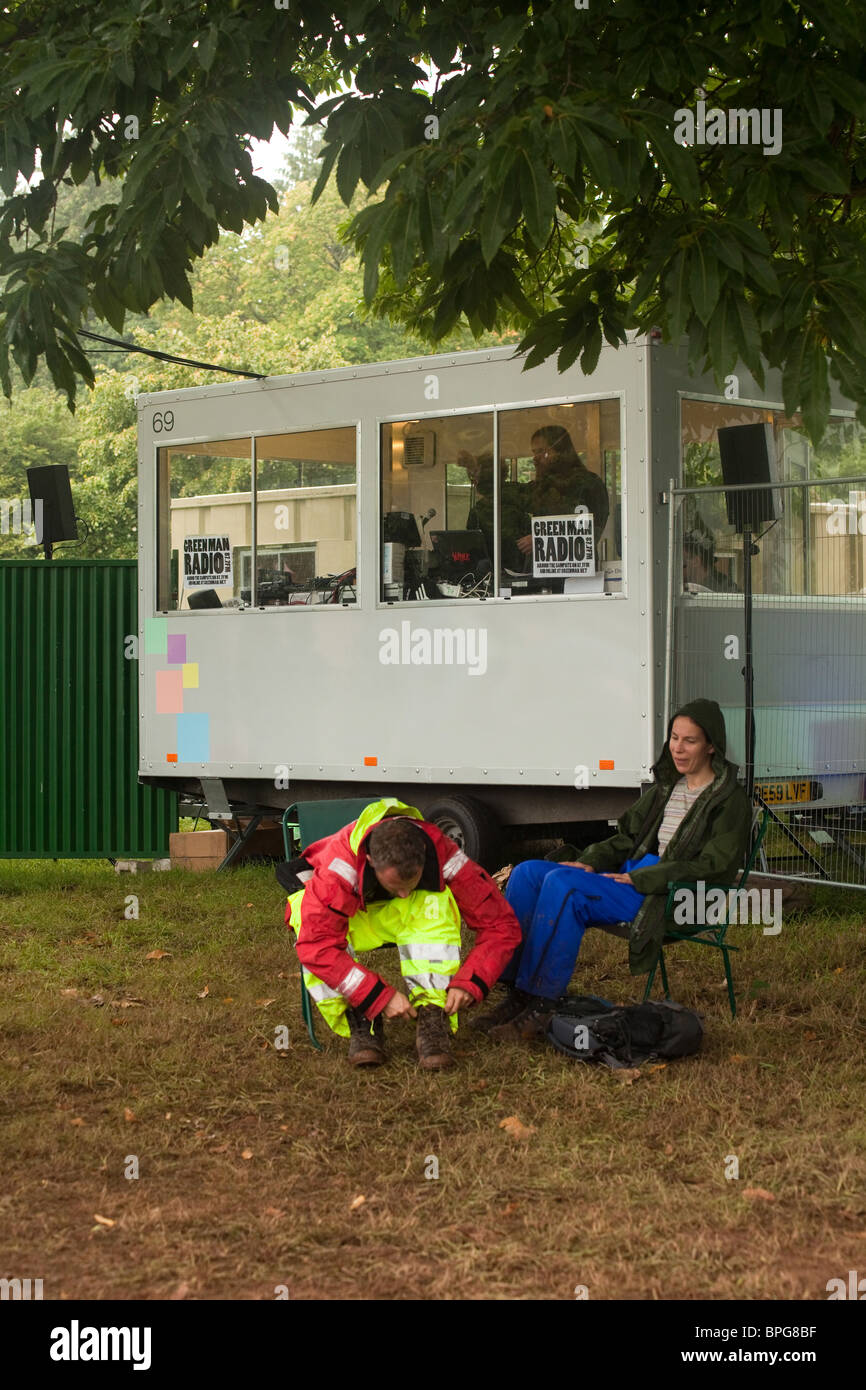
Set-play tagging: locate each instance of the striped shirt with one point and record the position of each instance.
(679, 803)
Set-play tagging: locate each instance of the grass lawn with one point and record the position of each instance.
(260, 1168)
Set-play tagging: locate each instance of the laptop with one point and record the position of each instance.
(459, 552)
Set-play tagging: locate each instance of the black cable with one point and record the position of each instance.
(168, 356)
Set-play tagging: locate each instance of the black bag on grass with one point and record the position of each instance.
(592, 1030)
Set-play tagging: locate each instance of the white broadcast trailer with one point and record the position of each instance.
(341, 596)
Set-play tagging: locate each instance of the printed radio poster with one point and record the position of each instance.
(207, 561)
(563, 547)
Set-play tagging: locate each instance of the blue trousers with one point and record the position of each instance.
(555, 904)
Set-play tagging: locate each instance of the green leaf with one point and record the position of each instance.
(537, 196)
(207, 47)
(704, 280)
(678, 307)
(498, 215)
(762, 273)
(329, 157)
(348, 172)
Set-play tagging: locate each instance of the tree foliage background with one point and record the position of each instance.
(509, 167)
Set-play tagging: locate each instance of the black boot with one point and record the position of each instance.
(366, 1048)
(507, 1009)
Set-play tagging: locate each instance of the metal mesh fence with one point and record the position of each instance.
(809, 658)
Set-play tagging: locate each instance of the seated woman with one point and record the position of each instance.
(693, 823)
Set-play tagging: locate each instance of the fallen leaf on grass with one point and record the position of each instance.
(116, 1022)
(274, 1211)
(838, 970)
(511, 1208)
(356, 1203)
(157, 954)
(265, 1003)
(760, 1193)
(129, 1115)
(656, 1066)
(203, 993)
(669, 1148)
(628, 1075)
(516, 1128)
(737, 1057)
(77, 1121)
(229, 999)
(284, 1126)
(71, 992)
(247, 1153)
(220, 1149)
(97, 1001)
(810, 1035)
(104, 1220)
(131, 1003)
(479, 1086)
(180, 1292)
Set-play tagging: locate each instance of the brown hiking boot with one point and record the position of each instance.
(531, 1022)
(433, 1038)
(366, 1048)
(515, 1002)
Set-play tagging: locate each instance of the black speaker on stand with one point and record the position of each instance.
(748, 454)
(51, 500)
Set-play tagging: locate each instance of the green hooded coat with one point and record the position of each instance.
(710, 843)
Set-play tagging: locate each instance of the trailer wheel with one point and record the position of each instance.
(472, 826)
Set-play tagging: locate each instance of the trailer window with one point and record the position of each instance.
(306, 535)
(560, 513)
(433, 544)
(814, 548)
(446, 517)
(203, 521)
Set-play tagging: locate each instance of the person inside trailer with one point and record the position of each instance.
(393, 878)
(701, 575)
(692, 824)
(562, 483)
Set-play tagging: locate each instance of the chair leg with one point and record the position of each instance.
(307, 1011)
(649, 982)
(731, 1000)
(664, 974)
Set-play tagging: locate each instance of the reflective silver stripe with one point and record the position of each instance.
(303, 875)
(321, 992)
(454, 864)
(431, 951)
(427, 980)
(339, 866)
(350, 982)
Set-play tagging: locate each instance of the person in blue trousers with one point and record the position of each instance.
(693, 823)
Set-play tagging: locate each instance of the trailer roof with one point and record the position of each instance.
(352, 372)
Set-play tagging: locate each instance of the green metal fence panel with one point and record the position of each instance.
(69, 715)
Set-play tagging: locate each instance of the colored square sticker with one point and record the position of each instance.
(176, 649)
(155, 636)
(190, 675)
(169, 692)
(193, 738)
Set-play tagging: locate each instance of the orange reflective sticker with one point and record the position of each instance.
(605, 764)
(371, 762)
(171, 757)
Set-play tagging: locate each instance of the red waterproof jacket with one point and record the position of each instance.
(335, 892)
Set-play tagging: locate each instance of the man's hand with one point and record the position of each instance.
(576, 864)
(398, 1006)
(524, 544)
(457, 999)
(619, 878)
